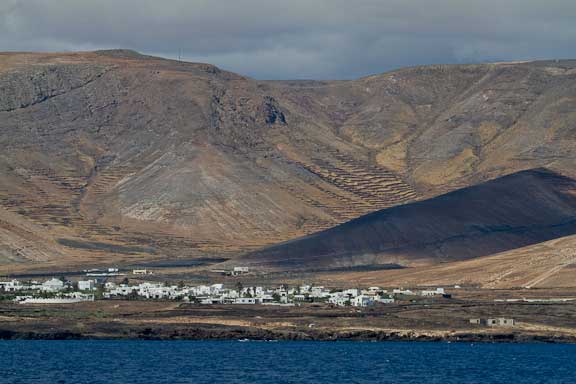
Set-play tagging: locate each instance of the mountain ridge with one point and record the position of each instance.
(193, 161)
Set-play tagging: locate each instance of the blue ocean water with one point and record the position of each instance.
(112, 362)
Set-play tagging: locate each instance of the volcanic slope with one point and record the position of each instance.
(510, 212)
(551, 264)
(113, 156)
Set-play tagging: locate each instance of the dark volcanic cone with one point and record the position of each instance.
(509, 212)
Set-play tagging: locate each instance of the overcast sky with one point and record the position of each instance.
(289, 39)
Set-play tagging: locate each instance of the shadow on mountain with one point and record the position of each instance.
(513, 211)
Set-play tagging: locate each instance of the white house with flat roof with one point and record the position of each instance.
(436, 292)
(86, 285)
(500, 322)
(53, 285)
(246, 300)
(384, 299)
(11, 286)
(339, 298)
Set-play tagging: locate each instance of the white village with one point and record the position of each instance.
(98, 287)
(102, 284)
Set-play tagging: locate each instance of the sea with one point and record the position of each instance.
(256, 362)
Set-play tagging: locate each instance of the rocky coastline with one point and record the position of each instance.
(245, 334)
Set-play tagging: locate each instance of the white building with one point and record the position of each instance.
(70, 298)
(304, 289)
(352, 292)
(500, 322)
(53, 285)
(402, 292)
(216, 288)
(319, 292)
(201, 290)
(246, 300)
(109, 285)
(384, 299)
(12, 286)
(141, 272)
(86, 285)
(339, 298)
(122, 290)
(239, 271)
(158, 291)
(362, 301)
(437, 291)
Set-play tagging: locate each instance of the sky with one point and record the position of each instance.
(299, 39)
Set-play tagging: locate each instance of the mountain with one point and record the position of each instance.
(550, 264)
(510, 212)
(113, 156)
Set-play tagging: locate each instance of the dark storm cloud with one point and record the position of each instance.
(298, 38)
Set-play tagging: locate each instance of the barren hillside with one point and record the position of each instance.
(551, 264)
(112, 155)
